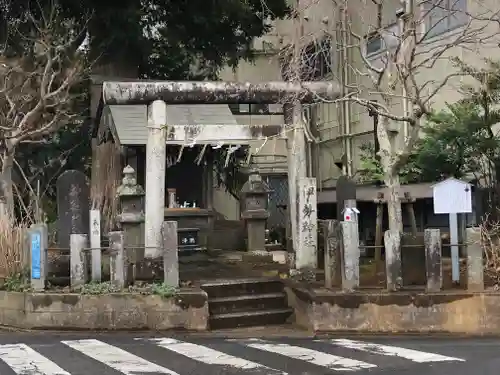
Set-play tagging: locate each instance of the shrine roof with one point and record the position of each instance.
(188, 124)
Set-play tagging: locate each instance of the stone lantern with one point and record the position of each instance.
(131, 218)
(255, 193)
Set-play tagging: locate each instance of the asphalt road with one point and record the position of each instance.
(132, 354)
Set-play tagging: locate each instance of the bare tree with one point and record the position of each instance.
(393, 86)
(39, 86)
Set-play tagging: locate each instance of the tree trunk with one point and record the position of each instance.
(394, 203)
(7, 192)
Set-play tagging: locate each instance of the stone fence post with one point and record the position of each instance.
(392, 240)
(433, 260)
(170, 253)
(475, 264)
(95, 245)
(78, 259)
(333, 245)
(118, 265)
(351, 254)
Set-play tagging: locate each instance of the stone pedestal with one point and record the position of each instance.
(194, 227)
(255, 213)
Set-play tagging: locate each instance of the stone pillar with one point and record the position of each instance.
(255, 194)
(170, 254)
(38, 242)
(155, 178)
(78, 265)
(333, 242)
(95, 244)
(433, 264)
(131, 218)
(475, 265)
(392, 240)
(306, 256)
(350, 259)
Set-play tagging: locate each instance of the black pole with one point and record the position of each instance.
(373, 114)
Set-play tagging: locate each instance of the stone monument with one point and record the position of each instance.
(73, 205)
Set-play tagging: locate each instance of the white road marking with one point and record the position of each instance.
(413, 355)
(329, 361)
(211, 356)
(26, 361)
(116, 358)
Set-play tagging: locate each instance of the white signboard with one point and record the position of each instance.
(452, 196)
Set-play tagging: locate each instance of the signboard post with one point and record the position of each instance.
(38, 256)
(453, 197)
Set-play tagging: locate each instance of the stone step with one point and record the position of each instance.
(247, 303)
(250, 318)
(241, 287)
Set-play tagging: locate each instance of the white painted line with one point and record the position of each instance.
(211, 356)
(394, 351)
(314, 357)
(24, 360)
(116, 358)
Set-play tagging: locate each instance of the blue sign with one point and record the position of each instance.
(36, 255)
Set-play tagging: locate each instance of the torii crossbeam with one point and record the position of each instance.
(216, 92)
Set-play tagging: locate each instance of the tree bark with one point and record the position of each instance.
(7, 191)
(394, 202)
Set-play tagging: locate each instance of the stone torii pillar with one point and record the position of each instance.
(158, 94)
(156, 156)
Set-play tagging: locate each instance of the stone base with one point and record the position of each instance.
(463, 312)
(122, 311)
(257, 256)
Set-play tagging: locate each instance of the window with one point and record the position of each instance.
(442, 16)
(316, 61)
(385, 39)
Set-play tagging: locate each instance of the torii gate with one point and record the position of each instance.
(157, 94)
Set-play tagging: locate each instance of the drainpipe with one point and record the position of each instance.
(346, 113)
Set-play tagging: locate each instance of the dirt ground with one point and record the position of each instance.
(202, 266)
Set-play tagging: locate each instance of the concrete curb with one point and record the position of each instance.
(407, 312)
(187, 310)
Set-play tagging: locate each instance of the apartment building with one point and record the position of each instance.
(342, 128)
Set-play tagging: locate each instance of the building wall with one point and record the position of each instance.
(321, 18)
(362, 19)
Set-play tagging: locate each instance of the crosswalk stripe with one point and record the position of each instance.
(211, 356)
(116, 358)
(329, 361)
(24, 360)
(413, 355)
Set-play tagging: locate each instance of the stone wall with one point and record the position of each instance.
(122, 311)
(457, 312)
